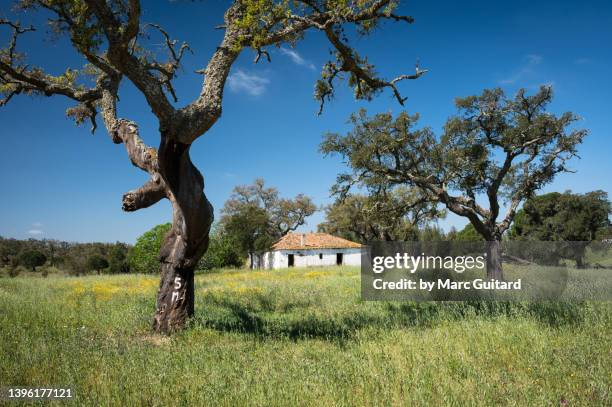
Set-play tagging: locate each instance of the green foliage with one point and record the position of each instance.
(255, 216)
(390, 215)
(97, 263)
(468, 234)
(566, 216)
(604, 234)
(85, 31)
(431, 233)
(66, 257)
(13, 270)
(118, 259)
(504, 148)
(143, 258)
(32, 259)
(256, 18)
(248, 228)
(222, 252)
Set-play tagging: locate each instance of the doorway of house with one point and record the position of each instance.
(338, 259)
(291, 260)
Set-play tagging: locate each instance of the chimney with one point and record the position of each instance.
(302, 238)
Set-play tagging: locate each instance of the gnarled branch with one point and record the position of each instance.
(199, 116)
(119, 37)
(145, 158)
(150, 193)
(141, 155)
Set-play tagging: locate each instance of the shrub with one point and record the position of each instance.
(143, 256)
(75, 265)
(97, 263)
(118, 259)
(32, 259)
(222, 252)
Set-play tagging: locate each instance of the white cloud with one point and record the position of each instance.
(297, 58)
(527, 70)
(583, 61)
(35, 232)
(37, 225)
(534, 59)
(241, 81)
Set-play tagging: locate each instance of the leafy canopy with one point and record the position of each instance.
(384, 215)
(256, 216)
(32, 259)
(143, 256)
(563, 217)
(97, 263)
(496, 148)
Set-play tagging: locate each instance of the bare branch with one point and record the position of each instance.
(17, 30)
(350, 62)
(261, 52)
(175, 55)
(149, 194)
(143, 157)
(199, 116)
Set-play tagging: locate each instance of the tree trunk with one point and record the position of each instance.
(187, 240)
(175, 298)
(494, 260)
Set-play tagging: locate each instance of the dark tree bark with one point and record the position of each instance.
(173, 176)
(186, 241)
(175, 298)
(494, 260)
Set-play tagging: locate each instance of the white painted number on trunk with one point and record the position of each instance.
(177, 286)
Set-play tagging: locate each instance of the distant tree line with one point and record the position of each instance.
(72, 258)
(254, 217)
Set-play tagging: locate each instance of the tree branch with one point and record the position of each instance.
(200, 115)
(493, 188)
(150, 193)
(119, 37)
(142, 156)
(17, 30)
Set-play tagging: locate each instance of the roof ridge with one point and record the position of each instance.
(312, 240)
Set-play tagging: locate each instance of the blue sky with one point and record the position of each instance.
(59, 181)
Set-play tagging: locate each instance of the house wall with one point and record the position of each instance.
(310, 258)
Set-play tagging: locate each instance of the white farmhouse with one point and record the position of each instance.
(311, 250)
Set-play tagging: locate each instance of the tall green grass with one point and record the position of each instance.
(298, 337)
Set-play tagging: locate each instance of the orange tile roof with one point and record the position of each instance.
(297, 241)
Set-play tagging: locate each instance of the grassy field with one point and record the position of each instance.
(298, 337)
